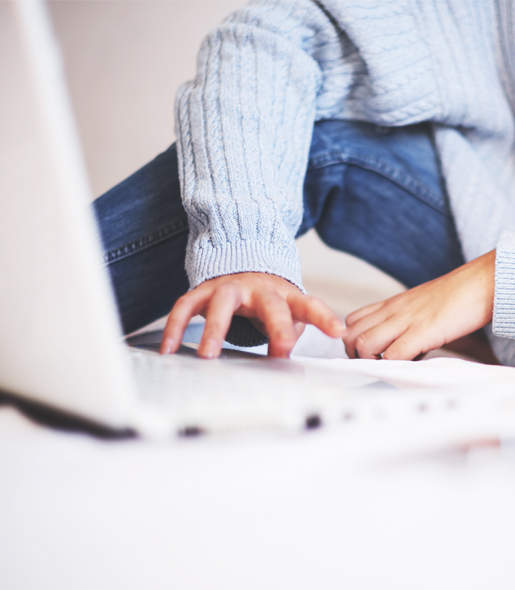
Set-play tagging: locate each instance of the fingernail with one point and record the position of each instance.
(210, 348)
(338, 325)
(167, 346)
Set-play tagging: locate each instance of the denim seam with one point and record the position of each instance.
(337, 156)
(159, 235)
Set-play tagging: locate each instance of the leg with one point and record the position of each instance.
(144, 230)
(377, 193)
(371, 192)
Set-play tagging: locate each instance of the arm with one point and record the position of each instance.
(244, 127)
(425, 317)
(443, 310)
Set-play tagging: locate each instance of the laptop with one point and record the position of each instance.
(61, 345)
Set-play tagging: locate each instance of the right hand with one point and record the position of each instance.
(273, 304)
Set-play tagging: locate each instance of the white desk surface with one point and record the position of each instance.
(273, 511)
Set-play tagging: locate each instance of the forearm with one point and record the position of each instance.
(244, 127)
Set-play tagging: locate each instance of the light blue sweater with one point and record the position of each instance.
(273, 68)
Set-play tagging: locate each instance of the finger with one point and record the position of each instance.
(275, 313)
(361, 326)
(224, 302)
(353, 317)
(407, 347)
(185, 308)
(257, 323)
(299, 328)
(373, 342)
(311, 310)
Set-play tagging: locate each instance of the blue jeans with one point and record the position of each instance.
(371, 191)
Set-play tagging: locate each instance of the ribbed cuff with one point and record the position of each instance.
(503, 323)
(209, 262)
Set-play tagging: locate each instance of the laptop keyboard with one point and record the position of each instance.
(255, 392)
(218, 395)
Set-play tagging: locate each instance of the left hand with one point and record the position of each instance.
(425, 317)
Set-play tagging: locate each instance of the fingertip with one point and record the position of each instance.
(337, 328)
(299, 328)
(349, 320)
(279, 354)
(282, 344)
(167, 345)
(209, 349)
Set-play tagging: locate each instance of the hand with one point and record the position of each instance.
(273, 304)
(425, 317)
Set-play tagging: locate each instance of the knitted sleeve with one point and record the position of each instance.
(503, 324)
(504, 300)
(244, 129)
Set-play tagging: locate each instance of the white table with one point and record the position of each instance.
(247, 512)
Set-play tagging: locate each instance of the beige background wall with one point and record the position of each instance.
(124, 61)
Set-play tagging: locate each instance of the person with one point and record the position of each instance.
(385, 125)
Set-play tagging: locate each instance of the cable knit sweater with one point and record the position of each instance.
(273, 68)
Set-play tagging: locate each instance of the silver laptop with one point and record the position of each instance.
(61, 344)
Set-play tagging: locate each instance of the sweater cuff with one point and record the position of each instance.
(504, 300)
(208, 262)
